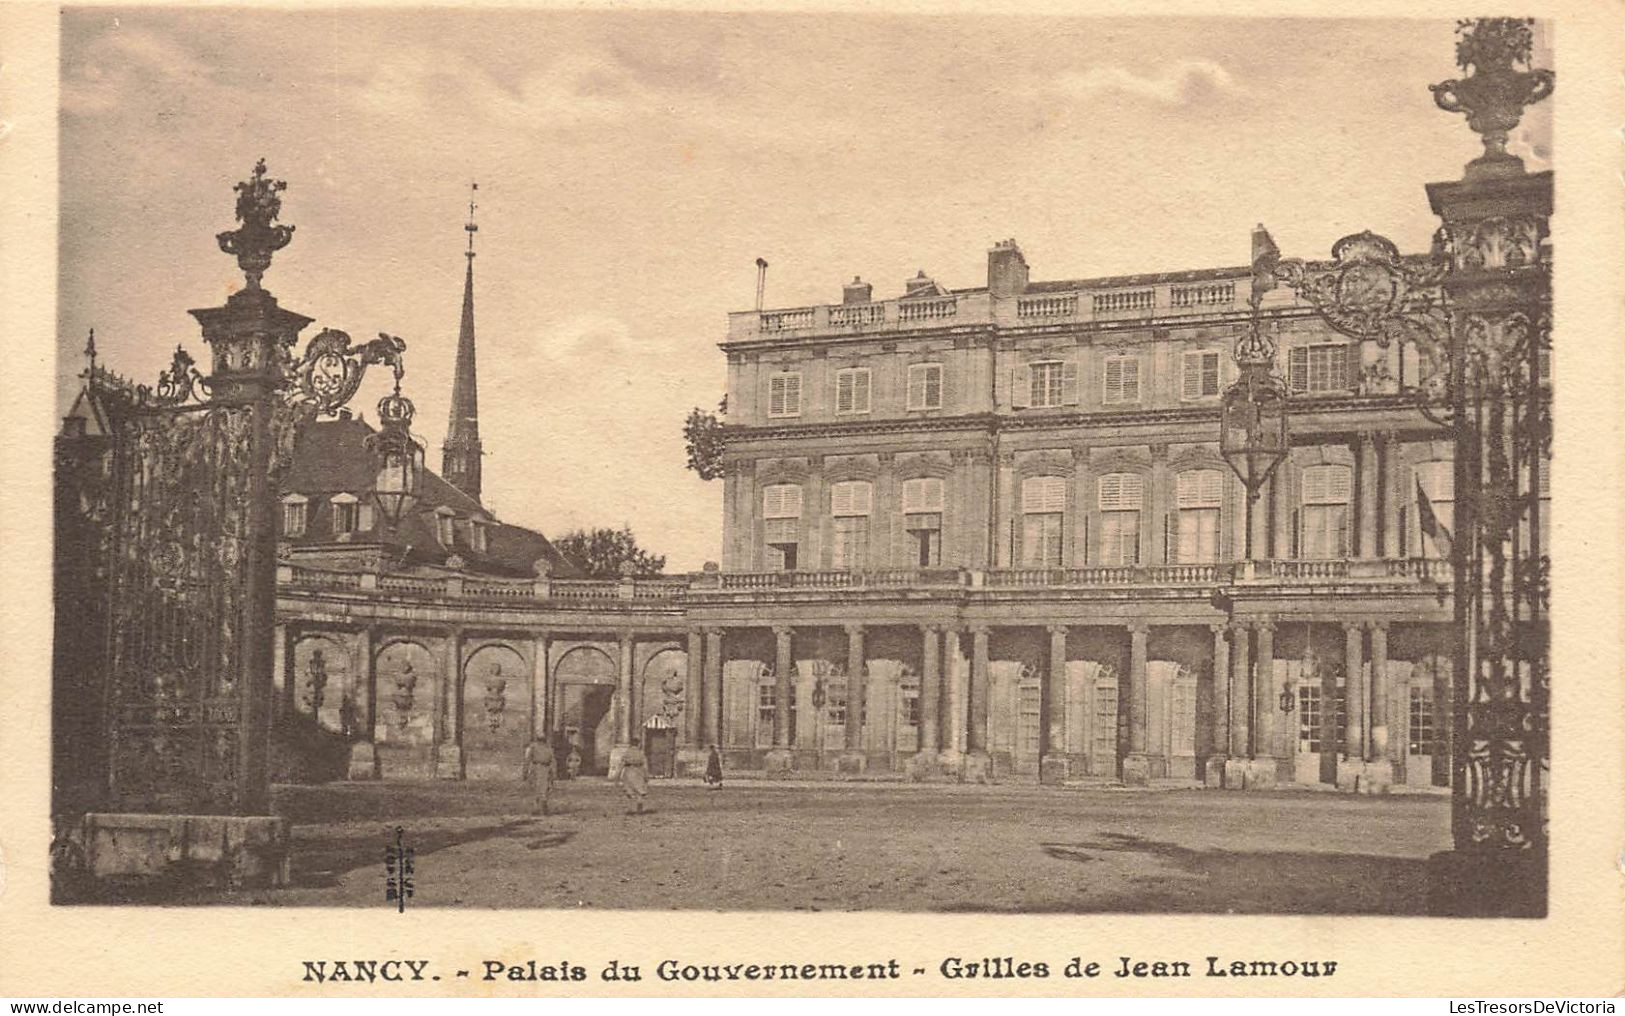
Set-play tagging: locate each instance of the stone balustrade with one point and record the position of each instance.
(911, 313)
(672, 590)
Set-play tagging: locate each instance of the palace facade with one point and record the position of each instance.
(980, 534)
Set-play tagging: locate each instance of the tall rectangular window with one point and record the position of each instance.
(1323, 520)
(295, 513)
(1047, 383)
(1421, 729)
(925, 386)
(1438, 481)
(1043, 510)
(922, 518)
(851, 503)
(784, 395)
(346, 514)
(1319, 368)
(767, 701)
(852, 390)
(1199, 494)
(781, 524)
(1122, 383)
(1201, 376)
(1121, 497)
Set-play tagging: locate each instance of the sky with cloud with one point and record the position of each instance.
(633, 165)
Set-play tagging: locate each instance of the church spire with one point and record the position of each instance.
(460, 462)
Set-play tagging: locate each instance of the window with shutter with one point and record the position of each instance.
(851, 498)
(781, 501)
(852, 390)
(923, 494)
(784, 395)
(925, 386)
(1047, 383)
(1043, 494)
(1201, 376)
(1043, 506)
(1121, 498)
(1122, 379)
(1324, 515)
(1199, 493)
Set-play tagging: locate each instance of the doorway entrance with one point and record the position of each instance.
(660, 746)
(587, 725)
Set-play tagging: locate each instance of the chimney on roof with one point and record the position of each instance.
(920, 285)
(857, 291)
(1006, 270)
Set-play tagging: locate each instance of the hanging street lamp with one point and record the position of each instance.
(1253, 431)
(399, 457)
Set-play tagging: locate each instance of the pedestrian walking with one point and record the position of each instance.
(713, 769)
(539, 773)
(635, 777)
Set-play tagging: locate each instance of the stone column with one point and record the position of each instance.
(711, 701)
(1137, 765)
(856, 681)
(1369, 486)
(693, 695)
(1354, 690)
(1381, 720)
(448, 759)
(1241, 673)
(930, 689)
(363, 763)
(625, 720)
(783, 663)
(1264, 705)
(1219, 749)
(954, 688)
(977, 766)
(1053, 767)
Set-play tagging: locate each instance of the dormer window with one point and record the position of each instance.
(295, 515)
(477, 536)
(445, 527)
(346, 514)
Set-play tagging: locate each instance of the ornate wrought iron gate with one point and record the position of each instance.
(182, 509)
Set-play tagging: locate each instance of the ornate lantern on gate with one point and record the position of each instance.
(399, 457)
(1253, 434)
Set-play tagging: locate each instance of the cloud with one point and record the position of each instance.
(1182, 83)
(125, 61)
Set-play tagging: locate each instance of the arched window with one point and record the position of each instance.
(922, 518)
(1121, 498)
(1043, 514)
(781, 524)
(1323, 512)
(1198, 495)
(850, 504)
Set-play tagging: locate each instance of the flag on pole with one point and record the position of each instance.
(1429, 522)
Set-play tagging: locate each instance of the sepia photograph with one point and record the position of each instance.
(803, 461)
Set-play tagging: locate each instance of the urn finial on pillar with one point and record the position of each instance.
(1500, 86)
(258, 236)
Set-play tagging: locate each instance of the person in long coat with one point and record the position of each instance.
(635, 777)
(539, 772)
(713, 769)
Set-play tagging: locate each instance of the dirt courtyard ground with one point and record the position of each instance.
(762, 846)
